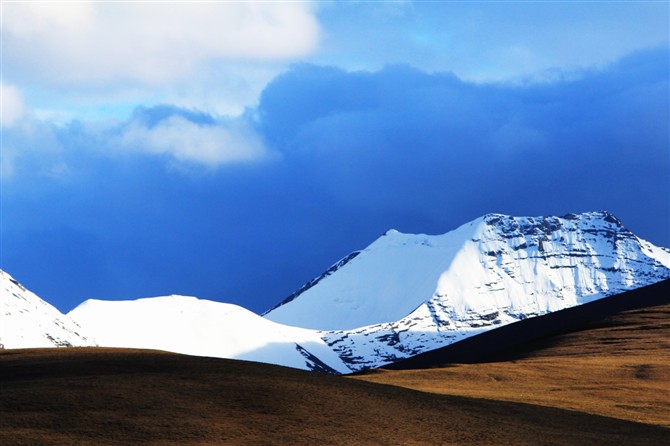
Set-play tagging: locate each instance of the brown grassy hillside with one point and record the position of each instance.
(123, 397)
(618, 366)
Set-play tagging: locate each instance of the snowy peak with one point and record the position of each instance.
(529, 264)
(504, 270)
(381, 283)
(26, 321)
(568, 260)
(599, 254)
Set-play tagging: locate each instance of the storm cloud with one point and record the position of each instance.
(347, 155)
(400, 140)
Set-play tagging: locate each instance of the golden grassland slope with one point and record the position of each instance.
(92, 396)
(618, 366)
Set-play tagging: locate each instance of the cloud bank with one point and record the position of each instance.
(96, 43)
(401, 140)
(353, 154)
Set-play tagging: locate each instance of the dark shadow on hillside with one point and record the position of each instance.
(518, 340)
(93, 396)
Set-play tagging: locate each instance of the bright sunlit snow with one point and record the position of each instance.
(193, 326)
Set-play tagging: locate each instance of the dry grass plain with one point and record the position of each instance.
(618, 366)
(93, 396)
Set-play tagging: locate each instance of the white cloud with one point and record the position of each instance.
(11, 104)
(209, 145)
(154, 43)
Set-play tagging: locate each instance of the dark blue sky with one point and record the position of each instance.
(162, 197)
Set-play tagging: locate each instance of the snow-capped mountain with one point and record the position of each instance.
(403, 295)
(26, 321)
(406, 294)
(198, 327)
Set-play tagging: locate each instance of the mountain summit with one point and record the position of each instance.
(406, 294)
(534, 264)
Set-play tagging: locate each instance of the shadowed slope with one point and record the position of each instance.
(107, 396)
(617, 365)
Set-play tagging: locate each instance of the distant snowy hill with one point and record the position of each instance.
(27, 321)
(406, 294)
(193, 326)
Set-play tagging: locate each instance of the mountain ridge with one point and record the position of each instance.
(490, 272)
(392, 267)
(403, 295)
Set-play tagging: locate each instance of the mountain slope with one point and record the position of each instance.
(28, 321)
(433, 291)
(193, 326)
